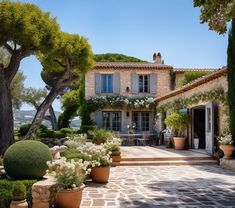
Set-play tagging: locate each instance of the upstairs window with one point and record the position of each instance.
(144, 86)
(107, 83)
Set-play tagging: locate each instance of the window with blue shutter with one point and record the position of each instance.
(106, 83)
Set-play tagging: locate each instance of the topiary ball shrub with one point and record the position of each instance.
(27, 160)
(19, 191)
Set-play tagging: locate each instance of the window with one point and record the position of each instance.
(144, 83)
(107, 83)
(112, 121)
(141, 120)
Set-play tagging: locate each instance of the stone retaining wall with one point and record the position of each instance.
(43, 193)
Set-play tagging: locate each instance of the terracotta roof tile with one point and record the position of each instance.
(130, 65)
(195, 69)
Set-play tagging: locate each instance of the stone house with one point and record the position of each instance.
(204, 100)
(131, 81)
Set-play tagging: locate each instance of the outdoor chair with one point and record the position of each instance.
(145, 138)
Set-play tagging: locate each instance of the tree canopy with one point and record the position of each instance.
(115, 57)
(216, 13)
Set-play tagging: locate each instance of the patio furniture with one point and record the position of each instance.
(145, 138)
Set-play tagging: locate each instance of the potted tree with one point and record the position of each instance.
(226, 145)
(178, 123)
(113, 146)
(19, 195)
(70, 176)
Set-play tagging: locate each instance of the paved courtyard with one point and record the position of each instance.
(163, 186)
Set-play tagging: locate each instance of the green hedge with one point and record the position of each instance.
(6, 191)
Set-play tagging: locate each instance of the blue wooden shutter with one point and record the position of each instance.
(99, 119)
(134, 83)
(116, 82)
(153, 83)
(97, 83)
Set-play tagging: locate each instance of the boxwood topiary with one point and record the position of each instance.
(27, 160)
(19, 191)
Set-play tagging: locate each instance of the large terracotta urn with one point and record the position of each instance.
(69, 198)
(116, 156)
(228, 150)
(179, 143)
(100, 174)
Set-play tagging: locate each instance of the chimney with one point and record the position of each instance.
(157, 58)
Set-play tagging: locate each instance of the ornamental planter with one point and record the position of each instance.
(100, 174)
(116, 156)
(228, 150)
(69, 198)
(19, 204)
(179, 143)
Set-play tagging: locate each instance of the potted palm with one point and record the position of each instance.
(19, 195)
(114, 147)
(226, 145)
(70, 176)
(178, 123)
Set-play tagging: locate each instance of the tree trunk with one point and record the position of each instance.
(6, 113)
(231, 78)
(53, 118)
(41, 111)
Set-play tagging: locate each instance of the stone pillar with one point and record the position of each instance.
(43, 193)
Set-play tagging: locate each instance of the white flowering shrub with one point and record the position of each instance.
(113, 145)
(96, 155)
(225, 139)
(76, 141)
(69, 174)
(122, 101)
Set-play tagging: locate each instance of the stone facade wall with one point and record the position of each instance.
(220, 82)
(163, 81)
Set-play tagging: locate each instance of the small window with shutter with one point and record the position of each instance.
(106, 83)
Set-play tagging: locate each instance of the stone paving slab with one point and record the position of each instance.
(163, 186)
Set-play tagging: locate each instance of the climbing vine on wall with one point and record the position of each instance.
(213, 95)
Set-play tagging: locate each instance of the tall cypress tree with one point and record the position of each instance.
(231, 77)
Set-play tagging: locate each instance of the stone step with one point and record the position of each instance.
(166, 162)
(166, 158)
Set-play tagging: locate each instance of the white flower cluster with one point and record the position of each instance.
(144, 102)
(113, 144)
(96, 155)
(225, 139)
(76, 141)
(69, 174)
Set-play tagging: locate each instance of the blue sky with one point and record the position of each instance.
(136, 28)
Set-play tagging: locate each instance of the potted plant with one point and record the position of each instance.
(70, 176)
(114, 147)
(100, 136)
(226, 145)
(19, 195)
(101, 166)
(196, 141)
(178, 123)
(99, 159)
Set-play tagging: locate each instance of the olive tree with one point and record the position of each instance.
(24, 31)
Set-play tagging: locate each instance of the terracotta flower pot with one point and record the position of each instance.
(228, 150)
(69, 198)
(116, 156)
(19, 204)
(100, 174)
(179, 143)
